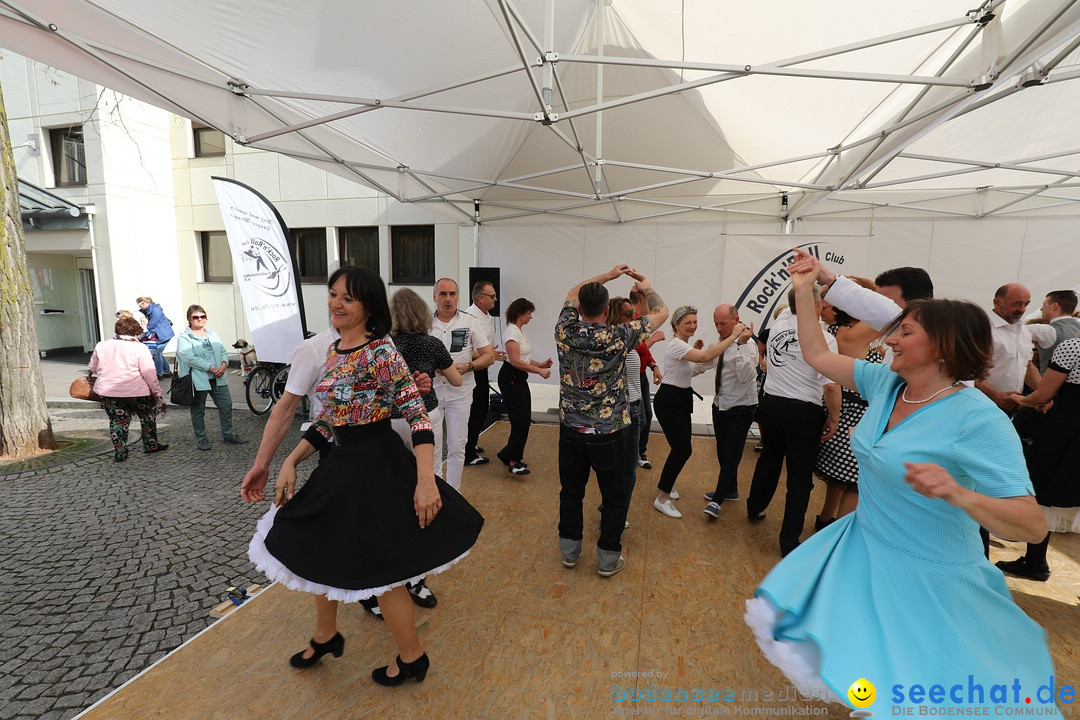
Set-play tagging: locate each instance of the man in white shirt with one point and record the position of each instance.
(1012, 347)
(483, 300)
(471, 350)
(733, 407)
(791, 414)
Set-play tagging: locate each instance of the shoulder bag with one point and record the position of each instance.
(82, 388)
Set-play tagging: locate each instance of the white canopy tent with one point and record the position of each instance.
(615, 110)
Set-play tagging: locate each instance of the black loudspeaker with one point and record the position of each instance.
(485, 274)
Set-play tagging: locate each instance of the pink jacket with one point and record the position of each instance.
(124, 368)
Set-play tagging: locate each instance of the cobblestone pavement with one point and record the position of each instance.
(106, 567)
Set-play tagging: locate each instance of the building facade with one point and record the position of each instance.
(118, 203)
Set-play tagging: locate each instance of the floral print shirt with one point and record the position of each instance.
(592, 378)
(363, 385)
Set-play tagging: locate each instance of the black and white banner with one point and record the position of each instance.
(263, 268)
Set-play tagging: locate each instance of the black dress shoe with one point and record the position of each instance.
(478, 460)
(421, 594)
(820, 524)
(416, 669)
(756, 517)
(334, 646)
(160, 447)
(1022, 568)
(372, 606)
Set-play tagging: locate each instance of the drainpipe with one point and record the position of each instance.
(91, 212)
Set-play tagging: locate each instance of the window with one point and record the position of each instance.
(308, 247)
(412, 252)
(216, 257)
(208, 141)
(68, 156)
(359, 246)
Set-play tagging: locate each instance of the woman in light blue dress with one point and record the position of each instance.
(899, 593)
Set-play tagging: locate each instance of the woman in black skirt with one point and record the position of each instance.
(371, 517)
(1055, 456)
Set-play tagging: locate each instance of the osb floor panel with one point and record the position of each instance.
(515, 635)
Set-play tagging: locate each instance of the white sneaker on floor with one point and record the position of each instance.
(674, 494)
(667, 508)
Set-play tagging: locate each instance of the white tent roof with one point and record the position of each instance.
(615, 110)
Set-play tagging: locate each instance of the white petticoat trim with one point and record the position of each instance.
(269, 565)
(1062, 520)
(799, 661)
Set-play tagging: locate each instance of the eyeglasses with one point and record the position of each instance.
(490, 295)
(198, 317)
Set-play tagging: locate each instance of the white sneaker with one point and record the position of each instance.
(667, 508)
(626, 525)
(674, 494)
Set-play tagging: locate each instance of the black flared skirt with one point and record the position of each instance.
(352, 532)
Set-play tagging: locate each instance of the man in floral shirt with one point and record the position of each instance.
(593, 412)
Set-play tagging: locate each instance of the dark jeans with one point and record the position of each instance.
(578, 453)
(794, 434)
(646, 415)
(674, 406)
(160, 364)
(478, 412)
(514, 386)
(630, 451)
(730, 427)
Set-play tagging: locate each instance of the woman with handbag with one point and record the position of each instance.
(201, 354)
(127, 383)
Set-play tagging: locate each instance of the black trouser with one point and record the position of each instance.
(478, 412)
(514, 386)
(674, 406)
(578, 452)
(730, 427)
(794, 434)
(646, 415)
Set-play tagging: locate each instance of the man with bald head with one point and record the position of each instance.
(470, 349)
(733, 406)
(1012, 347)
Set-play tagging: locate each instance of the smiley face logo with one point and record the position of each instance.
(862, 693)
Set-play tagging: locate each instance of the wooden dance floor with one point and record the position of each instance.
(515, 635)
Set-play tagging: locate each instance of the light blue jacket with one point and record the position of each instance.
(196, 355)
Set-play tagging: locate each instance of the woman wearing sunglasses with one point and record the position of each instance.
(199, 351)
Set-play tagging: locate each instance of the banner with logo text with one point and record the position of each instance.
(264, 270)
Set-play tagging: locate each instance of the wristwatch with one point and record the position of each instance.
(470, 368)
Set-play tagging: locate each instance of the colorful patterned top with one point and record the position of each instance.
(592, 377)
(361, 386)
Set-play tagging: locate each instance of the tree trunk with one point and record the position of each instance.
(24, 418)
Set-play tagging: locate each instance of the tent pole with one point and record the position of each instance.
(476, 234)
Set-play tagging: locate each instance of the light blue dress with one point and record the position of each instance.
(899, 592)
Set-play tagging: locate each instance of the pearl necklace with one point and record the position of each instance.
(903, 395)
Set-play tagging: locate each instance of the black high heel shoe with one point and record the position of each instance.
(334, 646)
(416, 669)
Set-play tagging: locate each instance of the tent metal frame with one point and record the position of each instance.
(841, 175)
